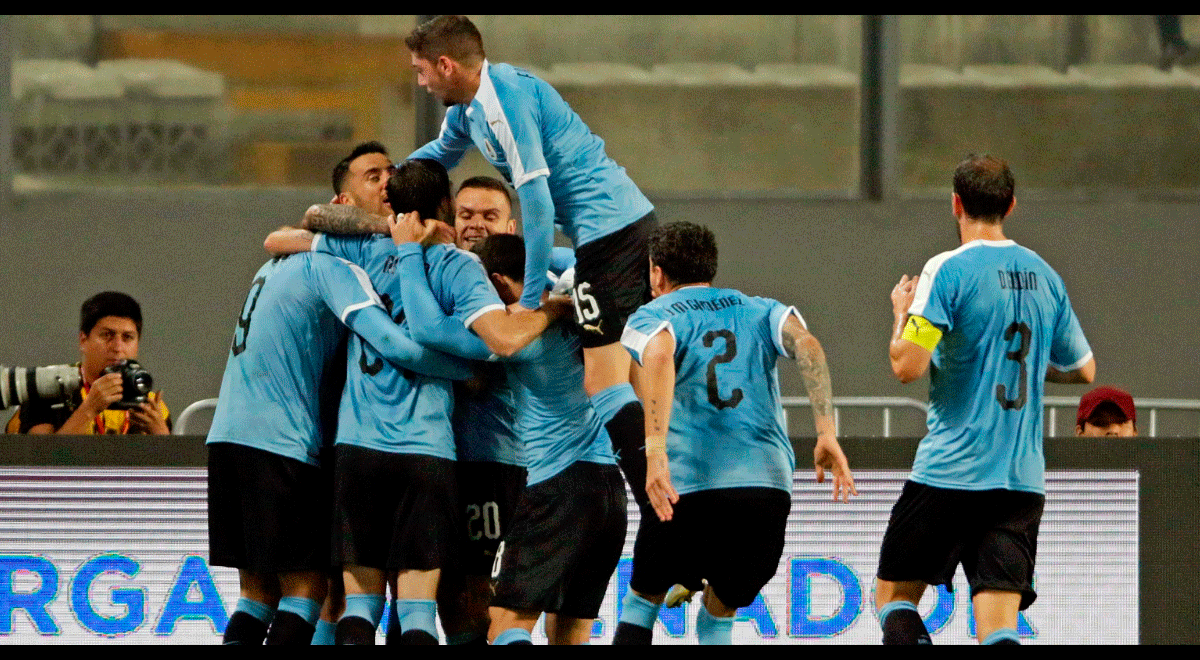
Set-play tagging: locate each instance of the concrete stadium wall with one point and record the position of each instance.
(188, 257)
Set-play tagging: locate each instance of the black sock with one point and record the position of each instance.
(627, 431)
(244, 629)
(417, 637)
(904, 626)
(392, 636)
(480, 640)
(290, 628)
(1006, 642)
(354, 630)
(629, 634)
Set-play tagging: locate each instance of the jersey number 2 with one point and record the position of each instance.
(1017, 356)
(714, 394)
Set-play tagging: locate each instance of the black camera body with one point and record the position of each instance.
(136, 384)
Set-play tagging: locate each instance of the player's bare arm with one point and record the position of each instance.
(909, 360)
(288, 240)
(801, 345)
(343, 219)
(658, 379)
(1082, 375)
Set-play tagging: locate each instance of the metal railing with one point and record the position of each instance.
(185, 417)
(885, 403)
(1053, 403)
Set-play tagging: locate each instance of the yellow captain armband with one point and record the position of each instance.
(922, 333)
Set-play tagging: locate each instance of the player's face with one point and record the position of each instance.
(437, 82)
(1116, 430)
(112, 339)
(366, 183)
(479, 213)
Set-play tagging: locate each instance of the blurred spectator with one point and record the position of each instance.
(1106, 411)
(1175, 50)
(110, 328)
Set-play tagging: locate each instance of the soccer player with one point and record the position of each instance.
(395, 444)
(995, 321)
(268, 502)
(491, 467)
(569, 527)
(563, 177)
(719, 459)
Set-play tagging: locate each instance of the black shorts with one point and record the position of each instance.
(993, 533)
(394, 511)
(612, 279)
(487, 497)
(266, 513)
(564, 543)
(732, 537)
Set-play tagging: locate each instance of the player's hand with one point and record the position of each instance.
(148, 417)
(903, 294)
(557, 306)
(406, 228)
(658, 485)
(105, 391)
(439, 233)
(518, 308)
(827, 455)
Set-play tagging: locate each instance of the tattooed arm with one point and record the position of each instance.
(658, 393)
(801, 345)
(342, 219)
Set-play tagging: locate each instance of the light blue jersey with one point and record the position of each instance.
(727, 428)
(1005, 317)
(558, 167)
(290, 327)
(397, 410)
(555, 418)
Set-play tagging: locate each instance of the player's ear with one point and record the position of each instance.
(342, 198)
(1078, 430)
(1012, 205)
(956, 206)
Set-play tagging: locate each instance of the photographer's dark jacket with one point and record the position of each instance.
(31, 414)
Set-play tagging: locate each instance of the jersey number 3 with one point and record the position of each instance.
(714, 394)
(1017, 356)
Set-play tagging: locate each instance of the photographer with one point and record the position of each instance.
(109, 330)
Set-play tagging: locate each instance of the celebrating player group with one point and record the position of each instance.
(420, 404)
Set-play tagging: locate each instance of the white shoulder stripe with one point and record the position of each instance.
(354, 308)
(925, 285)
(364, 281)
(498, 122)
(1073, 367)
(474, 317)
(791, 311)
(636, 341)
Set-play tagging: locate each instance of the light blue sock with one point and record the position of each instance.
(364, 606)
(1002, 635)
(638, 611)
(894, 606)
(325, 633)
(712, 630)
(608, 402)
(417, 615)
(305, 608)
(261, 611)
(513, 635)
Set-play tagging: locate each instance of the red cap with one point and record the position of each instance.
(1089, 401)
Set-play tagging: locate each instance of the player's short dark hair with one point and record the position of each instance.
(343, 167)
(109, 303)
(487, 183)
(1107, 414)
(985, 185)
(421, 185)
(686, 252)
(453, 36)
(503, 254)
